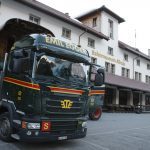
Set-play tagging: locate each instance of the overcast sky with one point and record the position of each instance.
(135, 12)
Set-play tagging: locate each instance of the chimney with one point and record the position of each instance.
(67, 14)
(149, 52)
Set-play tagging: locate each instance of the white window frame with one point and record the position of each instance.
(128, 73)
(107, 66)
(123, 72)
(91, 42)
(110, 51)
(148, 66)
(113, 68)
(66, 33)
(147, 79)
(126, 57)
(33, 19)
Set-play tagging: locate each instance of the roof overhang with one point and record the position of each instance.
(103, 8)
(133, 50)
(126, 83)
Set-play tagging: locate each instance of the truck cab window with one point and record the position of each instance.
(20, 62)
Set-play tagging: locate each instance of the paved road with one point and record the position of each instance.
(115, 131)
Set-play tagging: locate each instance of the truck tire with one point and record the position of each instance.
(5, 127)
(96, 114)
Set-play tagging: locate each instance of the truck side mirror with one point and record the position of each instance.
(97, 76)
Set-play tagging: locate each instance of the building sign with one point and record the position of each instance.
(57, 42)
(115, 60)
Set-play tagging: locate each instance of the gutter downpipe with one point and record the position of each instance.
(80, 37)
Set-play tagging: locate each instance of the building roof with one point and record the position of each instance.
(103, 8)
(133, 50)
(57, 14)
(126, 83)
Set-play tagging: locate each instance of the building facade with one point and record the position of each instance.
(127, 69)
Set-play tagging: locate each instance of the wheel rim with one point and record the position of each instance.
(5, 127)
(97, 113)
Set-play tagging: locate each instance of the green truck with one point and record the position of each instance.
(45, 85)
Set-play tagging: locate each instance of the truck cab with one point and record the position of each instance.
(44, 85)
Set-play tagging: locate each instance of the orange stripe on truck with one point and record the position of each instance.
(37, 87)
(96, 92)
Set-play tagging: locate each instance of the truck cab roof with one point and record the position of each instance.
(53, 46)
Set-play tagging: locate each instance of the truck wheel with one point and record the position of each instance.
(96, 114)
(5, 127)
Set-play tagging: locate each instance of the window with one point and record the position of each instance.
(94, 60)
(128, 73)
(148, 66)
(34, 19)
(138, 62)
(94, 23)
(20, 62)
(147, 79)
(107, 66)
(112, 69)
(91, 43)
(125, 57)
(66, 33)
(110, 22)
(138, 76)
(110, 51)
(125, 72)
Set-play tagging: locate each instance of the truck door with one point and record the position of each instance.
(96, 95)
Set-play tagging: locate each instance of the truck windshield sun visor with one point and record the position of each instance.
(62, 49)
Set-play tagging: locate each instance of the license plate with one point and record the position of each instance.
(62, 138)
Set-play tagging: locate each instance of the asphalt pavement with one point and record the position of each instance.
(114, 131)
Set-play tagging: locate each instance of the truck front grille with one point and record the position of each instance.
(63, 127)
(54, 109)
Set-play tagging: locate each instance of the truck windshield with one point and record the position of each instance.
(52, 67)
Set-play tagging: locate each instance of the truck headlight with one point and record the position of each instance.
(33, 126)
(84, 124)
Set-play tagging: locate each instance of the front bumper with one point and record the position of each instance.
(38, 136)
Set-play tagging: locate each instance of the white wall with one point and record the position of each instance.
(11, 9)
